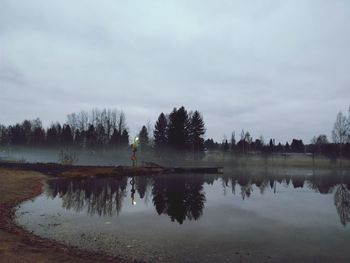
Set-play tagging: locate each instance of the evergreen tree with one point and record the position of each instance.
(120, 140)
(101, 136)
(125, 138)
(4, 136)
(178, 129)
(115, 139)
(37, 137)
(78, 138)
(271, 145)
(297, 146)
(160, 132)
(233, 141)
(225, 146)
(26, 131)
(210, 144)
(287, 148)
(53, 134)
(143, 137)
(91, 137)
(258, 145)
(196, 132)
(66, 136)
(17, 135)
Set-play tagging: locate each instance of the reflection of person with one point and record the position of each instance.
(132, 182)
(134, 147)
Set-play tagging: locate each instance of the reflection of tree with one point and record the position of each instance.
(342, 203)
(262, 184)
(195, 198)
(141, 185)
(246, 186)
(324, 184)
(246, 190)
(233, 186)
(99, 196)
(179, 196)
(298, 181)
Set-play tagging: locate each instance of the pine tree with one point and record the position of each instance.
(115, 139)
(178, 129)
(196, 132)
(143, 136)
(160, 133)
(91, 137)
(233, 141)
(124, 139)
(66, 136)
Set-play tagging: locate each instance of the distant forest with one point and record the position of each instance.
(179, 130)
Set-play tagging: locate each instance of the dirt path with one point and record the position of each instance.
(17, 245)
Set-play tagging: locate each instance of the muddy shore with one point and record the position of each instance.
(18, 245)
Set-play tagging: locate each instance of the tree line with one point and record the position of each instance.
(339, 147)
(107, 129)
(179, 130)
(246, 144)
(98, 129)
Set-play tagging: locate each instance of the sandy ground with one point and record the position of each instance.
(17, 245)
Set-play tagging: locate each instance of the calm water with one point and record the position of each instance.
(243, 216)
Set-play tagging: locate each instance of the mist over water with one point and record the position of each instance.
(171, 158)
(87, 157)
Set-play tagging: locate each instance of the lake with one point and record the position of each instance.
(243, 215)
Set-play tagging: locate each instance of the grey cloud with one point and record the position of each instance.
(10, 74)
(277, 68)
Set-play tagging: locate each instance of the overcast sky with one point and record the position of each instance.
(280, 69)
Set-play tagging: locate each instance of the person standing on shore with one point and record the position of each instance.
(134, 147)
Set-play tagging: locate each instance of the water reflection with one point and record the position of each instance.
(102, 197)
(342, 203)
(182, 197)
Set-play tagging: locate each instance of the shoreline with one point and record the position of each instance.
(17, 244)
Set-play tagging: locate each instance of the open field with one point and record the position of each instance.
(278, 160)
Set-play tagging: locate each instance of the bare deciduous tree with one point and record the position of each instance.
(340, 132)
(83, 120)
(340, 129)
(72, 121)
